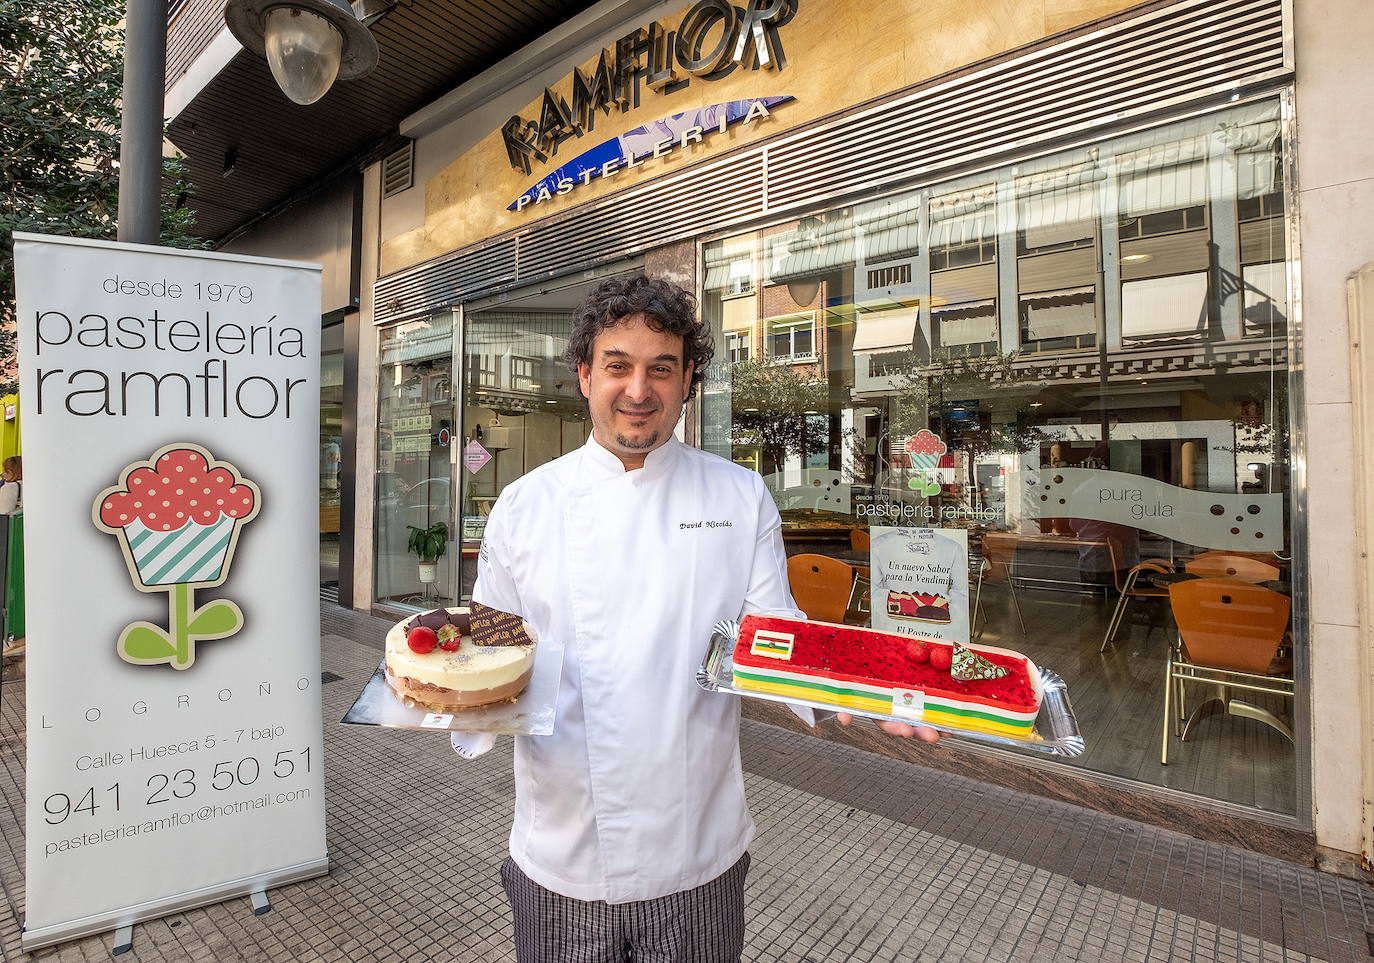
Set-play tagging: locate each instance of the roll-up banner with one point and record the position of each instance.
(171, 465)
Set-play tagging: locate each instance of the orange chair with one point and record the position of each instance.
(821, 586)
(859, 540)
(1228, 565)
(1128, 583)
(1229, 632)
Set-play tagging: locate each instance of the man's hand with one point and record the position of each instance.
(899, 729)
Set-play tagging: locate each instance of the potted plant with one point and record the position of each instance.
(429, 544)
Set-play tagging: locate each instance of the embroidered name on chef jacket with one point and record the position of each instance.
(703, 523)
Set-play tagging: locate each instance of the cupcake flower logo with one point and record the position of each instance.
(177, 517)
(925, 450)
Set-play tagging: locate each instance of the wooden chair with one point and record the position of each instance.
(821, 586)
(1128, 583)
(1229, 632)
(859, 540)
(1227, 565)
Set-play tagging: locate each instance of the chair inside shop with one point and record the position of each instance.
(821, 586)
(1229, 637)
(995, 564)
(1225, 564)
(1131, 583)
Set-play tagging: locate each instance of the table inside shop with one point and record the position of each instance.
(1050, 561)
(832, 542)
(1165, 579)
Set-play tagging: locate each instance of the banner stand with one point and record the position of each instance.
(127, 918)
(171, 436)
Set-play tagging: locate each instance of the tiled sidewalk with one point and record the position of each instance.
(858, 858)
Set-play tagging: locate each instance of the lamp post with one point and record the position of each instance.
(307, 43)
(140, 139)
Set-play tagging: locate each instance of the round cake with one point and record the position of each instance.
(441, 667)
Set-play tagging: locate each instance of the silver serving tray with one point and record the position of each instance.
(531, 713)
(1055, 731)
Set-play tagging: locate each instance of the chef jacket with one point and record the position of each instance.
(638, 792)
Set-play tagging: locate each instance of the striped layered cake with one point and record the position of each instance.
(848, 667)
(177, 517)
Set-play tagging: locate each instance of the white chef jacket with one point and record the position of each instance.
(638, 793)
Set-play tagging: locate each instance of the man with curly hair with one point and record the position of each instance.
(631, 826)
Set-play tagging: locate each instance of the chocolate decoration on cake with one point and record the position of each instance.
(430, 620)
(967, 665)
(493, 627)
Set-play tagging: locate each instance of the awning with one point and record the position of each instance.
(727, 261)
(1173, 306)
(421, 341)
(816, 248)
(963, 216)
(891, 229)
(1053, 198)
(1066, 315)
(891, 328)
(1164, 188)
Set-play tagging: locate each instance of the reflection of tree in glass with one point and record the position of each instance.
(923, 391)
(1264, 435)
(769, 405)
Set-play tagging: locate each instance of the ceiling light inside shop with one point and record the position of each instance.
(751, 409)
(1037, 404)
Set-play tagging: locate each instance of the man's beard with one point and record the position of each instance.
(639, 445)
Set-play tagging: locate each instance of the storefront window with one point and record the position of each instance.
(331, 448)
(415, 470)
(1075, 369)
(521, 407)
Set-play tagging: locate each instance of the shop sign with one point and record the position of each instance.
(475, 457)
(920, 582)
(647, 142)
(174, 737)
(1234, 522)
(711, 41)
(402, 444)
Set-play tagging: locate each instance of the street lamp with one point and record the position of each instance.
(307, 43)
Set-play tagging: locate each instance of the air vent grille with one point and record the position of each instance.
(1190, 54)
(398, 170)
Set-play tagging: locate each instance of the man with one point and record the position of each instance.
(630, 820)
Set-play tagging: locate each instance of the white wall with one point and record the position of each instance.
(1335, 143)
(319, 229)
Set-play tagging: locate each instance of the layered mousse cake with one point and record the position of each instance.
(978, 688)
(458, 658)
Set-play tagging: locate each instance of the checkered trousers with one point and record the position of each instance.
(700, 925)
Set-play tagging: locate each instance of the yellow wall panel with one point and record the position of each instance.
(840, 53)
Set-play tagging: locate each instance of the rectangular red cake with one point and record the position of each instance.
(856, 668)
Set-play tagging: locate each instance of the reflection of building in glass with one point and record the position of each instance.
(1095, 338)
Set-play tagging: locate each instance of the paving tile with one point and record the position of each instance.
(858, 858)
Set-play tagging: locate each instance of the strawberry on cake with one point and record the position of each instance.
(981, 689)
(455, 658)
